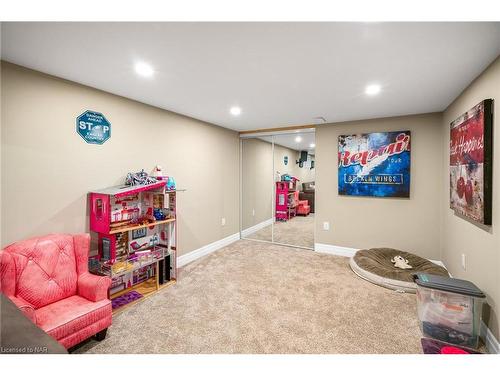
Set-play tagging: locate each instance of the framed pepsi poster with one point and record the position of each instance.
(471, 155)
(375, 164)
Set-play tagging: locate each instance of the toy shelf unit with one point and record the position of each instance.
(286, 199)
(137, 234)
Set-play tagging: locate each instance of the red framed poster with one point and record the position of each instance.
(471, 163)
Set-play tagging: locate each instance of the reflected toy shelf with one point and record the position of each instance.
(286, 199)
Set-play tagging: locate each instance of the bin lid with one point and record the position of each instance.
(448, 284)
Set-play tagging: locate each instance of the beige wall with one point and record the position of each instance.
(304, 174)
(47, 169)
(361, 222)
(480, 244)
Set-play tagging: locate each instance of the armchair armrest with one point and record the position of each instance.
(93, 287)
(26, 308)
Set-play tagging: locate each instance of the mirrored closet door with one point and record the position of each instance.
(294, 189)
(257, 188)
(278, 188)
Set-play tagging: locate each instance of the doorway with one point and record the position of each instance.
(277, 196)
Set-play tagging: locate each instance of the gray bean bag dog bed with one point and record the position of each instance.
(376, 266)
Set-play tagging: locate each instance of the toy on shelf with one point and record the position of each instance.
(159, 214)
(157, 172)
(136, 228)
(170, 183)
(139, 178)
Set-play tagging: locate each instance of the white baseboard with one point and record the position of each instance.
(256, 227)
(207, 249)
(489, 339)
(334, 250)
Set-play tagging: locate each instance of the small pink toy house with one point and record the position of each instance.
(286, 199)
(136, 229)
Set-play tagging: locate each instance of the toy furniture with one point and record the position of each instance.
(281, 201)
(307, 193)
(48, 280)
(136, 239)
(286, 199)
(303, 208)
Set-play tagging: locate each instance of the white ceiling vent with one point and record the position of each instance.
(319, 120)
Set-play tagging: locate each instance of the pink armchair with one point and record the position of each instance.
(48, 280)
(303, 208)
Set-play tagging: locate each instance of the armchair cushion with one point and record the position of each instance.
(92, 287)
(70, 315)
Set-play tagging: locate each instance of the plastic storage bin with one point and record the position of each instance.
(449, 309)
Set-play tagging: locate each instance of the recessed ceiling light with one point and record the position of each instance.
(298, 139)
(144, 69)
(235, 111)
(372, 89)
(312, 145)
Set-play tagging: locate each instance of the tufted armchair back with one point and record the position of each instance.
(45, 269)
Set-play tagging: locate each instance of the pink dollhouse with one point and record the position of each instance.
(136, 233)
(288, 204)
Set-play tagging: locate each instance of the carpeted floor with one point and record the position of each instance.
(253, 297)
(299, 231)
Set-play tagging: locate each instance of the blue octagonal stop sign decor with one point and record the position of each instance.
(93, 127)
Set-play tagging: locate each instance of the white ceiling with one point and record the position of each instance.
(280, 74)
